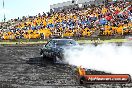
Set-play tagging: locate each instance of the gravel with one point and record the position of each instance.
(23, 67)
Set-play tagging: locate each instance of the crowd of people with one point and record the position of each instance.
(111, 19)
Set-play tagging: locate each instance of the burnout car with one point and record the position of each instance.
(54, 49)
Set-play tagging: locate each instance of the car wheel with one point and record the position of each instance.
(44, 56)
(56, 59)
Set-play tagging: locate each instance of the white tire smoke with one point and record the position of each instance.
(104, 57)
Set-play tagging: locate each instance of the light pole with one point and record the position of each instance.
(4, 11)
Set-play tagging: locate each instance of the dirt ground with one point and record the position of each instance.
(23, 67)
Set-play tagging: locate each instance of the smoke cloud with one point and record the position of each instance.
(105, 57)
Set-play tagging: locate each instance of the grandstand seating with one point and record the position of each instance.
(109, 20)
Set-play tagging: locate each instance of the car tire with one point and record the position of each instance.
(44, 56)
(55, 59)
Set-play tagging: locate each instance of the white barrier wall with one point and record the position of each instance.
(59, 5)
(74, 2)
